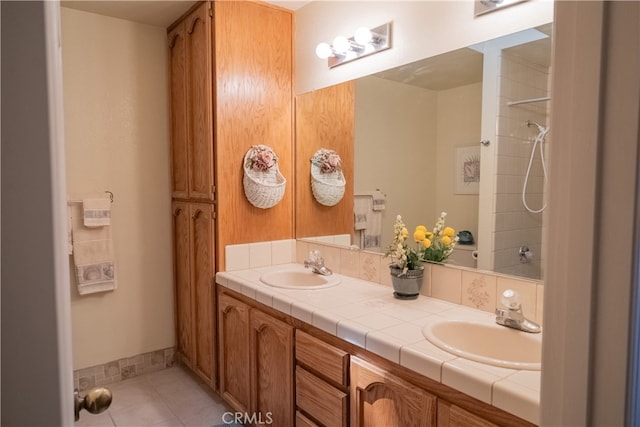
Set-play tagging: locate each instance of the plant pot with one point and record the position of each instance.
(408, 285)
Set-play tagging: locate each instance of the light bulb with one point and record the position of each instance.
(323, 50)
(363, 35)
(341, 44)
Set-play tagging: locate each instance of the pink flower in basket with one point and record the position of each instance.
(327, 160)
(262, 158)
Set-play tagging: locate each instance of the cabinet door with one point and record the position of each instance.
(182, 277)
(178, 94)
(199, 102)
(202, 279)
(453, 416)
(233, 340)
(379, 398)
(272, 369)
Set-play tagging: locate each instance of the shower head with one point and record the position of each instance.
(538, 125)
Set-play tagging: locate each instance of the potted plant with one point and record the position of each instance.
(407, 270)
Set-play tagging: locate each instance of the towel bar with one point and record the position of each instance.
(69, 202)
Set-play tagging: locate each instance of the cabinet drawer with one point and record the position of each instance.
(323, 402)
(324, 359)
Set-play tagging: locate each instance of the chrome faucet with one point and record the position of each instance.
(316, 264)
(511, 314)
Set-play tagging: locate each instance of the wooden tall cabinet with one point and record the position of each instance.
(194, 279)
(231, 87)
(190, 62)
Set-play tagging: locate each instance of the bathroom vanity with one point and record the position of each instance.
(351, 354)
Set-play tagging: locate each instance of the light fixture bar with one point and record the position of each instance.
(380, 40)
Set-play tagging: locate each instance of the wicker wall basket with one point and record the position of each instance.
(327, 188)
(263, 189)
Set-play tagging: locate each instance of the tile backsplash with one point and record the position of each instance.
(459, 285)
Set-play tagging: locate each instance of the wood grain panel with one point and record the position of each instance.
(182, 278)
(453, 416)
(323, 359)
(202, 232)
(324, 119)
(379, 398)
(199, 103)
(321, 401)
(272, 368)
(434, 388)
(177, 90)
(302, 421)
(254, 97)
(233, 341)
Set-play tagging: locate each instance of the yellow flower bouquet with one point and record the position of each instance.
(434, 246)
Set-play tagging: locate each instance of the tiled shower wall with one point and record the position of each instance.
(514, 225)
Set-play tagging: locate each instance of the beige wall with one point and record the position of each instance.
(459, 116)
(116, 129)
(395, 150)
(405, 146)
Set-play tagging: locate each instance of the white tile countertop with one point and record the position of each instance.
(366, 314)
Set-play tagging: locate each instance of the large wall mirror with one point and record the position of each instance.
(417, 132)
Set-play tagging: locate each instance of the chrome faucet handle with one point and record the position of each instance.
(511, 315)
(511, 300)
(316, 263)
(315, 256)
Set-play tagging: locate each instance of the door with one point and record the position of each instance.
(379, 398)
(36, 313)
(272, 369)
(202, 283)
(233, 337)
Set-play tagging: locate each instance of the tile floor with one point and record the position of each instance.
(172, 397)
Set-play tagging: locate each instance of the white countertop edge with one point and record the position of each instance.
(489, 384)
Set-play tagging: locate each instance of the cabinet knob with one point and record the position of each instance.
(177, 211)
(196, 214)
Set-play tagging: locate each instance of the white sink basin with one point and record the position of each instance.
(298, 279)
(487, 343)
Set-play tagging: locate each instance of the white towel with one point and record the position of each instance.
(361, 208)
(367, 222)
(373, 232)
(97, 212)
(93, 255)
(378, 200)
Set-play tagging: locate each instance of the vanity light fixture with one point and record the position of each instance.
(364, 42)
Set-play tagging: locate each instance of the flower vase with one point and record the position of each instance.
(408, 285)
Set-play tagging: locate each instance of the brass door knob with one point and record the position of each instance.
(97, 400)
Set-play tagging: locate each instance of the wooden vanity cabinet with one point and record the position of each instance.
(274, 365)
(450, 415)
(322, 381)
(255, 362)
(233, 355)
(271, 347)
(379, 398)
